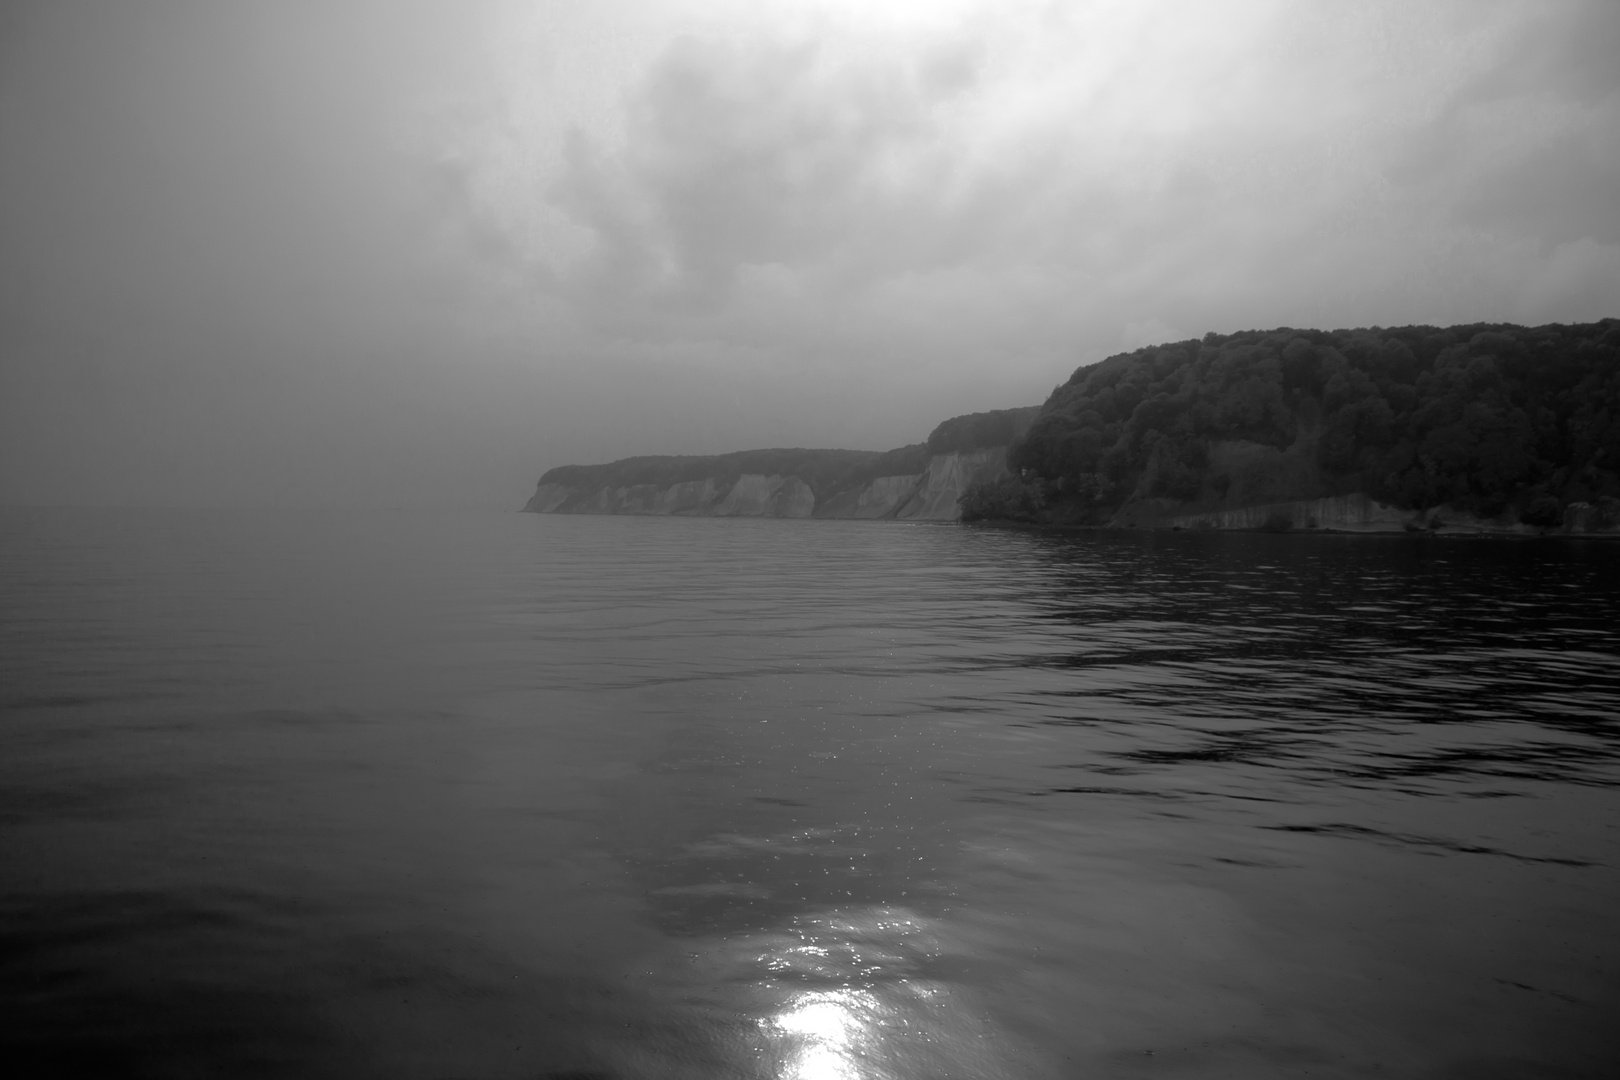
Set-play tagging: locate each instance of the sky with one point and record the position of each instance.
(414, 253)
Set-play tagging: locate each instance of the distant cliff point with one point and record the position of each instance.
(925, 481)
(1482, 428)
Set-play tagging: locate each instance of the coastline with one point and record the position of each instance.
(1443, 533)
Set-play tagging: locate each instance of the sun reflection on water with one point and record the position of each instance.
(856, 992)
(828, 1035)
(857, 988)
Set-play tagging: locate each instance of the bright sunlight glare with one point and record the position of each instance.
(827, 1036)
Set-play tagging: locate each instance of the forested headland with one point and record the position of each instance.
(1496, 420)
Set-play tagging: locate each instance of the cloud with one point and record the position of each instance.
(1044, 179)
(775, 155)
(1580, 279)
(674, 225)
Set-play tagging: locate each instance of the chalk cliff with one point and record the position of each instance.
(929, 494)
(922, 482)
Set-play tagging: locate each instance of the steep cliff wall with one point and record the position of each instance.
(921, 482)
(929, 495)
(764, 496)
(938, 492)
(878, 498)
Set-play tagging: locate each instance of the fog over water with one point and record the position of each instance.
(414, 253)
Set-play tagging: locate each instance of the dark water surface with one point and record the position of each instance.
(487, 796)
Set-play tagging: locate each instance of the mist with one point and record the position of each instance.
(414, 254)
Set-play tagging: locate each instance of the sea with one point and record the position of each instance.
(473, 795)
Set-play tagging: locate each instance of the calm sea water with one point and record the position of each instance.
(506, 796)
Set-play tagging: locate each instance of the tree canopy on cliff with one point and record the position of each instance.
(981, 430)
(1485, 417)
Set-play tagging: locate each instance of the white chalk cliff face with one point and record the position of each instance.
(932, 495)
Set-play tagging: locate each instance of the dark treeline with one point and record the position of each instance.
(1487, 418)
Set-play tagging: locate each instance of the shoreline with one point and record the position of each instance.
(1412, 533)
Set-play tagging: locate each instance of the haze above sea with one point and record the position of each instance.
(355, 794)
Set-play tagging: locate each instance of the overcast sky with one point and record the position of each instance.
(414, 253)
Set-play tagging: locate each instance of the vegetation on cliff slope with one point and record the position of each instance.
(1488, 418)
